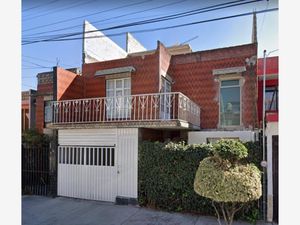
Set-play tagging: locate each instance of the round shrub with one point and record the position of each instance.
(230, 149)
(220, 181)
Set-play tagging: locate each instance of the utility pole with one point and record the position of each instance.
(263, 130)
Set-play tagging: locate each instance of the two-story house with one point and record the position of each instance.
(124, 97)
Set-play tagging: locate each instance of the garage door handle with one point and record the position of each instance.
(118, 172)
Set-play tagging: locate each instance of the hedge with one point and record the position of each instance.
(166, 176)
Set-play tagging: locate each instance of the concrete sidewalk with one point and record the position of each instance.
(38, 210)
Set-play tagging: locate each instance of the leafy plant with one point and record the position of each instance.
(230, 149)
(33, 138)
(225, 180)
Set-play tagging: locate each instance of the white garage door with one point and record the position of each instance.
(97, 164)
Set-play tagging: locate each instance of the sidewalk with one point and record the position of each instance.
(38, 210)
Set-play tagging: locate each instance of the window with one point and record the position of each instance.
(165, 101)
(118, 93)
(47, 112)
(271, 100)
(230, 103)
(89, 156)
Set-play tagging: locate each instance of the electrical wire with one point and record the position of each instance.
(159, 19)
(36, 64)
(41, 5)
(156, 29)
(87, 15)
(123, 15)
(36, 58)
(59, 10)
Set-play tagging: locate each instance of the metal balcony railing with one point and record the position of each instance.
(143, 107)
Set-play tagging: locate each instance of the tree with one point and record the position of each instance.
(225, 180)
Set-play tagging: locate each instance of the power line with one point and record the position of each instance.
(36, 58)
(59, 10)
(36, 64)
(263, 20)
(26, 85)
(34, 7)
(91, 14)
(159, 19)
(161, 28)
(119, 16)
(155, 20)
(38, 67)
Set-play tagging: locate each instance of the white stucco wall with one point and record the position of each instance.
(133, 45)
(199, 137)
(97, 47)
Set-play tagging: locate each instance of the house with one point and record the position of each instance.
(271, 129)
(36, 110)
(124, 97)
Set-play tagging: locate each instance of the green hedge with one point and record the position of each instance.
(167, 172)
(166, 177)
(33, 138)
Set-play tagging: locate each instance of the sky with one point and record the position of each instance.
(40, 18)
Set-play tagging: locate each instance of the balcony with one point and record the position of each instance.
(164, 110)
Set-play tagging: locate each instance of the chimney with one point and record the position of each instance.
(254, 29)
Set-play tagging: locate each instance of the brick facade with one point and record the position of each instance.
(59, 84)
(69, 85)
(192, 74)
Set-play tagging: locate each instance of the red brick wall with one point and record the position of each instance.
(164, 57)
(45, 88)
(193, 77)
(69, 85)
(42, 90)
(39, 113)
(144, 80)
(192, 73)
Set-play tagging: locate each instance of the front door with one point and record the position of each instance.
(118, 98)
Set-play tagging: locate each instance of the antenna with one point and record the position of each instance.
(57, 61)
(193, 38)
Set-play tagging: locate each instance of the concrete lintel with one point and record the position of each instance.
(126, 69)
(229, 70)
(174, 124)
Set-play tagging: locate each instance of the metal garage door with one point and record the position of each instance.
(97, 164)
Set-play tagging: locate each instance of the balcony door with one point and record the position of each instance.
(118, 100)
(165, 99)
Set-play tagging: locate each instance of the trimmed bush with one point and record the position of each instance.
(230, 149)
(225, 179)
(239, 183)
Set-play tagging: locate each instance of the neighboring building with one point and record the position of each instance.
(271, 128)
(28, 110)
(36, 109)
